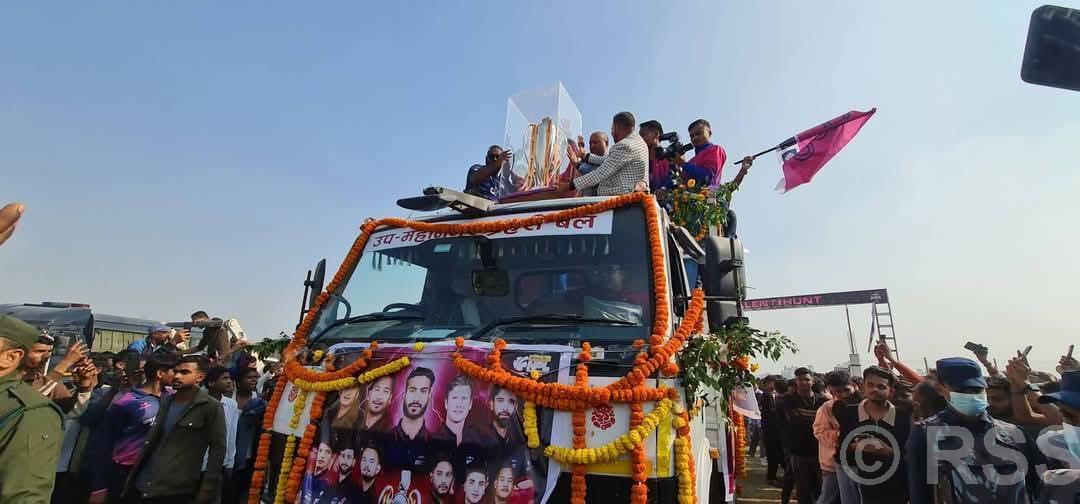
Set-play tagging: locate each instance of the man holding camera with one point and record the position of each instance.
(625, 168)
(659, 169)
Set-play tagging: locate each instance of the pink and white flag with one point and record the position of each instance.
(804, 154)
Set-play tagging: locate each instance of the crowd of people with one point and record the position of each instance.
(957, 434)
(635, 162)
(157, 422)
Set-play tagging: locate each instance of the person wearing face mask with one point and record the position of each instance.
(962, 454)
(1062, 447)
(1067, 439)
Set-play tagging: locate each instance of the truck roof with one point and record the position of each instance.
(80, 315)
(506, 208)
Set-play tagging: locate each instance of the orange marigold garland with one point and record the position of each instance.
(577, 477)
(308, 439)
(574, 397)
(740, 447)
(262, 453)
(639, 492)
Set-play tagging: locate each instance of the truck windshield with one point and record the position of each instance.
(411, 285)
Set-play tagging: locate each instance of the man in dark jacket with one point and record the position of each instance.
(770, 431)
(189, 426)
(873, 434)
(795, 414)
(963, 455)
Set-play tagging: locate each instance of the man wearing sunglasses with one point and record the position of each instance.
(483, 180)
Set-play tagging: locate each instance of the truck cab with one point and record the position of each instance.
(602, 276)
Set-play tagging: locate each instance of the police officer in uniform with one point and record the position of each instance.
(30, 424)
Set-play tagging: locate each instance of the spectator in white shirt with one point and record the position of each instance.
(219, 385)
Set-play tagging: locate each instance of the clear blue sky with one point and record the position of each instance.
(205, 154)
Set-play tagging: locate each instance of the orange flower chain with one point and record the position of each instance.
(576, 398)
(639, 492)
(740, 446)
(581, 379)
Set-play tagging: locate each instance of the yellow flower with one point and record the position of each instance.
(531, 433)
(622, 444)
(286, 466)
(419, 346)
(691, 183)
(754, 367)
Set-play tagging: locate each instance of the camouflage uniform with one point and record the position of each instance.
(30, 429)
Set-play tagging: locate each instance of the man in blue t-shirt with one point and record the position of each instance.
(158, 336)
(483, 180)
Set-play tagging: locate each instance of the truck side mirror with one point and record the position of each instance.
(316, 282)
(723, 279)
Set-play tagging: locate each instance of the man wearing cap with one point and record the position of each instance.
(1062, 447)
(157, 338)
(30, 424)
(962, 454)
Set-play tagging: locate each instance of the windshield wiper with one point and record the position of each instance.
(375, 316)
(550, 318)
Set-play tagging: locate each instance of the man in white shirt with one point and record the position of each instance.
(219, 385)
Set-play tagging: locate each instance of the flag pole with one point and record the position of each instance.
(786, 143)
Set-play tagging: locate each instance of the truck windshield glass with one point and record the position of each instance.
(595, 268)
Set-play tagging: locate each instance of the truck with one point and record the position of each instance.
(70, 322)
(507, 352)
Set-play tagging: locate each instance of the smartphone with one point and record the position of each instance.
(974, 347)
(1069, 355)
(1027, 351)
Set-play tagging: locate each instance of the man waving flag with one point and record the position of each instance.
(804, 154)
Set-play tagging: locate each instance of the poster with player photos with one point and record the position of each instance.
(429, 434)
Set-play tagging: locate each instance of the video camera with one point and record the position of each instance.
(202, 323)
(674, 147)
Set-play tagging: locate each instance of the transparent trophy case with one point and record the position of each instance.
(539, 123)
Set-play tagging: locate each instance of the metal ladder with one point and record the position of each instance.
(881, 328)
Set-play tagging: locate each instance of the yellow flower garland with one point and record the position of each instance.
(298, 409)
(351, 381)
(283, 473)
(682, 468)
(290, 448)
(532, 434)
(614, 449)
